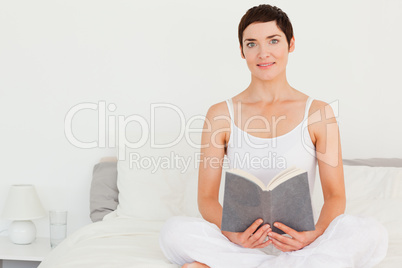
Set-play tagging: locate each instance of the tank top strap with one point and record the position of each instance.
(307, 108)
(229, 103)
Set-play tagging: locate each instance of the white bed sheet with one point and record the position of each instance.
(394, 254)
(126, 242)
(116, 242)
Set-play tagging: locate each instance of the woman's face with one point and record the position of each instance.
(266, 50)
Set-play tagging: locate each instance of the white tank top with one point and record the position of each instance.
(266, 157)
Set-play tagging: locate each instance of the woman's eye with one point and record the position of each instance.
(274, 41)
(251, 44)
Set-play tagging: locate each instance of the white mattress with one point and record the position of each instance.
(125, 242)
(117, 242)
(394, 254)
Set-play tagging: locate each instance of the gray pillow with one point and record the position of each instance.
(103, 193)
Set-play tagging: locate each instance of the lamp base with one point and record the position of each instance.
(22, 232)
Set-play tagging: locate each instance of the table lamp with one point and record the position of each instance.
(22, 206)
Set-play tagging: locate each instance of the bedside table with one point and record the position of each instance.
(34, 252)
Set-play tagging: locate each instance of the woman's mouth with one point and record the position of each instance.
(265, 65)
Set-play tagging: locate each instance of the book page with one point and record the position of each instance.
(278, 179)
(284, 176)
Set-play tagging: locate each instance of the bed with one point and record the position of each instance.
(129, 207)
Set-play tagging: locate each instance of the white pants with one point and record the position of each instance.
(349, 241)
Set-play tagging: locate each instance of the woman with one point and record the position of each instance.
(270, 120)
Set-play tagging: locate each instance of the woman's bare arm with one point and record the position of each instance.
(329, 155)
(210, 168)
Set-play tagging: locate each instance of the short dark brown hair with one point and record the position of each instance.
(266, 13)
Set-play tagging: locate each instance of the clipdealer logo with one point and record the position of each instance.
(112, 128)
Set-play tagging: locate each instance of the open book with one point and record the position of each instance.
(285, 199)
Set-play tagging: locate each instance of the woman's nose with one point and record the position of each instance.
(264, 52)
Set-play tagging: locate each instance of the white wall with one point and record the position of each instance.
(55, 55)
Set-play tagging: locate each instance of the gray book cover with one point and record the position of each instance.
(289, 203)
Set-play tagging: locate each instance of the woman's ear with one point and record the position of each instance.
(241, 53)
(292, 44)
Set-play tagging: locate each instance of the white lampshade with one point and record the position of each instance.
(22, 206)
(23, 203)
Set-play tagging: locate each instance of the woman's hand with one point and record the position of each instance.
(298, 241)
(248, 238)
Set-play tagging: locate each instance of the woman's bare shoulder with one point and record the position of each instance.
(218, 121)
(320, 115)
(218, 111)
(321, 109)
